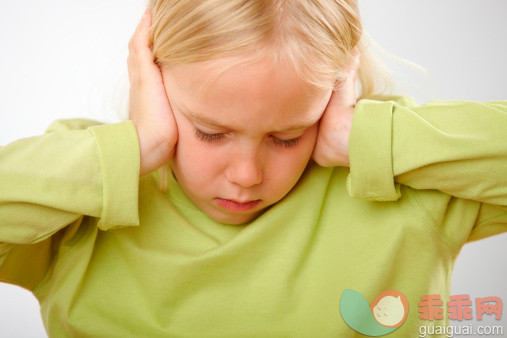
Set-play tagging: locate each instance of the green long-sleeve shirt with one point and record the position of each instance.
(107, 254)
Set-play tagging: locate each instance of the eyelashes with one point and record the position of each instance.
(207, 137)
(286, 143)
(282, 143)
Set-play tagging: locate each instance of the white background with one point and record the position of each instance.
(66, 59)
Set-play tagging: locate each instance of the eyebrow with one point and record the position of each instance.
(208, 121)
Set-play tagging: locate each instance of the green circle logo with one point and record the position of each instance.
(387, 312)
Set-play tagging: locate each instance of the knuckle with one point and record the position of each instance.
(137, 80)
(137, 47)
(141, 81)
(132, 44)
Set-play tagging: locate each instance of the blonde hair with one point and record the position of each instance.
(317, 37)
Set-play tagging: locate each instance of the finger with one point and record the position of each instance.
(142, 22)
(142, 56)
(140, 38)
(134, 41)
(357, 58)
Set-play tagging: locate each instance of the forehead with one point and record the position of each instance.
(258, 94)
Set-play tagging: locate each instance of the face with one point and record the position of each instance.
(247, 136)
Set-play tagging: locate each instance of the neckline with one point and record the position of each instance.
(176, 194)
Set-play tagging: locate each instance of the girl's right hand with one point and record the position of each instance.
(149, 106)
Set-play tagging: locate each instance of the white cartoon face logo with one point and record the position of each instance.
(389, 311)
(386, 314)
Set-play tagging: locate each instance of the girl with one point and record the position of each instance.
(250, 189)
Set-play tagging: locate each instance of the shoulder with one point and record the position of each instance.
(71, 124)
(401, 100)
(404, 100)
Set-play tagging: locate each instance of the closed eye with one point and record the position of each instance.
(213, 137)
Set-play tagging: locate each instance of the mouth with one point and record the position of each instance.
(232, 205)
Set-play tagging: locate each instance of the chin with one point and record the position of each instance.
(233, 219)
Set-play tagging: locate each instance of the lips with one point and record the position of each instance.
(234, 205)
(240, 202)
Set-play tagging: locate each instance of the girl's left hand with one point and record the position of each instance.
(331, 148)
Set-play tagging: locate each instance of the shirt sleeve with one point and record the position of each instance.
(77, 168)
(456, 147)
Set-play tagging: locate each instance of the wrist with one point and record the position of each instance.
(342, 156)
(331, 147)
(343, 134)
(153, 153)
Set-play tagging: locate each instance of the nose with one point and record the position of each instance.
(245, 169)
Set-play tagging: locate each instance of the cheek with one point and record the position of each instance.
(311, 138)
(193, 159)
(301, 155)
(288, 164)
